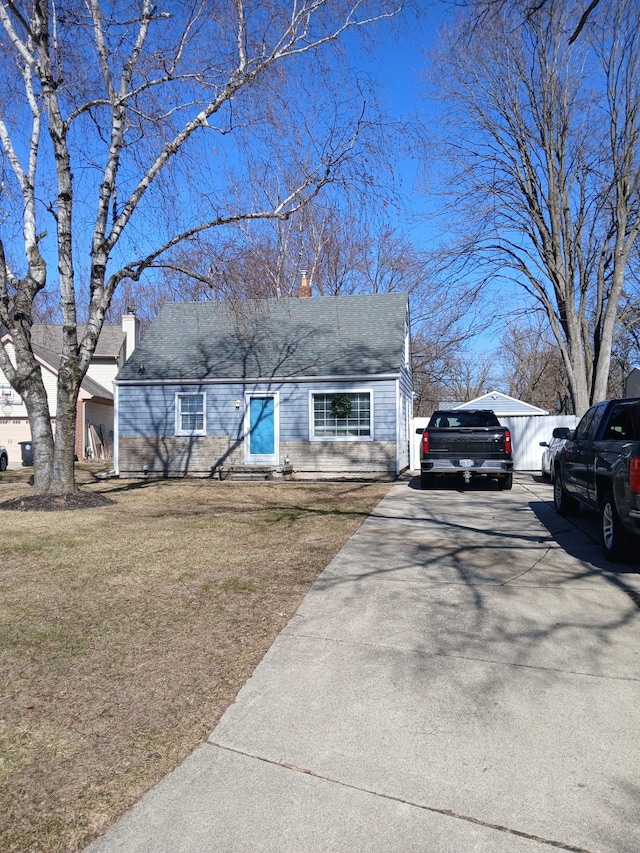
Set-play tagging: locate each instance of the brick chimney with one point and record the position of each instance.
(304, 288)
(131, 329)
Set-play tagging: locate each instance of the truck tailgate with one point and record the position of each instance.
(466, 442)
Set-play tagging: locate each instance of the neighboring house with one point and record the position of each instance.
(308, 384)
(94, 424)
(632, 383)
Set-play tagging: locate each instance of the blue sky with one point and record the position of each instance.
(398, 65)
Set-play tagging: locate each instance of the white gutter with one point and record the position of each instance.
(259, 380)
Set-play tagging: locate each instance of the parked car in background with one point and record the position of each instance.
(4, 458)
(551, 450)
(599, 467)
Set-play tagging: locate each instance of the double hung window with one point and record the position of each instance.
(190, 414)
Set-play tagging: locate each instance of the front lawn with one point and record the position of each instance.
(127, 629)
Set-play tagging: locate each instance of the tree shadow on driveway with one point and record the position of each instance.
(579, 537)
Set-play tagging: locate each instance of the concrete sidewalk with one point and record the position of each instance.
(454, 682)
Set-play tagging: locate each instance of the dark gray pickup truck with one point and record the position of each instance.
(599, 467)
(466, 444)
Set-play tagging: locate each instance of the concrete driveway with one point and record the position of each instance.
(463, 677)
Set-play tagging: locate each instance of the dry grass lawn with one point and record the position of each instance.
(126, 630)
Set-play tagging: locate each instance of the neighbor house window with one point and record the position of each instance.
(190, 414)
(341, 415)
(8, 395)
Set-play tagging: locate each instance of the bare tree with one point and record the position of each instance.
(528, 8)
(132, 127)
(445, 371)
(341, 252)
(467, 378)
(446, 320)
(532, 365)
(543, 147)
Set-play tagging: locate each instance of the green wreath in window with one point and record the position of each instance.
(341, 406)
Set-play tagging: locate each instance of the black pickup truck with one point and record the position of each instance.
(466, 444)
(599, 467)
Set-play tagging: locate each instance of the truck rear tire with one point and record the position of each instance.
(506, 482)
(564, 503)
(617, 542)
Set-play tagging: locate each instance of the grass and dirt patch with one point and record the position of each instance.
(128, 626)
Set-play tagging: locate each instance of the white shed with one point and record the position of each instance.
(502, 404)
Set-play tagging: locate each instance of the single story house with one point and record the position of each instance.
(303, 385)
(94, 417)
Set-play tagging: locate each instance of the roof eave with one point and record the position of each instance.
(262, 380)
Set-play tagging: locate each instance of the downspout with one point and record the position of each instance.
(116, 437)
(82, 436)
(398, 426)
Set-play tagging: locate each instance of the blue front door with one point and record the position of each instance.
(262, 444)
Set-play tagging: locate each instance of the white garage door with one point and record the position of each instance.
(12, 432)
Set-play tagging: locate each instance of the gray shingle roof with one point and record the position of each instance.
(329, 336)
(502, 404)
(46, 340)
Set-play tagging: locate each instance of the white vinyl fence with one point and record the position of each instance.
(527, 431)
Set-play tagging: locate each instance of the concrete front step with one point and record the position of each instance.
(258, 472)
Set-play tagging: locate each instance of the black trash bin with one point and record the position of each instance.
(27, 453)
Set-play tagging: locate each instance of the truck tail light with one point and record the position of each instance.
(634, 474)
(507, 441)
(425, 442)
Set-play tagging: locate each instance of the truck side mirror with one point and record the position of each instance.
(419, 430)
(561, 432)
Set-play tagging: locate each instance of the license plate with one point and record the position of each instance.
(466, 463)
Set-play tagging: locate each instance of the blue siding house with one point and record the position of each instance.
(298, 386)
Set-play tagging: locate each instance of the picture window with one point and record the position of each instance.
(343, 415)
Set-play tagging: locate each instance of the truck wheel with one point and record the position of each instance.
(616, 539)
(564, 503)
(506, 482)
(426, 481)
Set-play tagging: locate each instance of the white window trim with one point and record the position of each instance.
(316, 438)
(178, 430)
